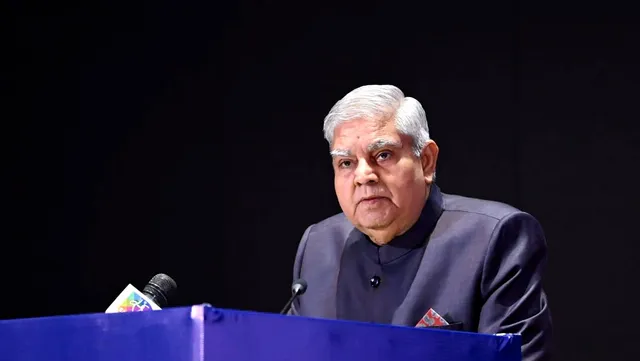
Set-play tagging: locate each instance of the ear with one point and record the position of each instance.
(429, 158)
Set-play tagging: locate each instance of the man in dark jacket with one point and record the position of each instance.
(401, 247)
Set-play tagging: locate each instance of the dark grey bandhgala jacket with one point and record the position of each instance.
(482, 266)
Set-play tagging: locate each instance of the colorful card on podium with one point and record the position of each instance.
(132, 300)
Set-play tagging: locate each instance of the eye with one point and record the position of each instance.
(344, 164)
(383, 155)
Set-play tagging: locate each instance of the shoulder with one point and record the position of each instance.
(489, 224)
(325, 236)
(336, 226)
(476, 207)
(322, 243)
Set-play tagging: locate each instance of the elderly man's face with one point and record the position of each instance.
(380, 184)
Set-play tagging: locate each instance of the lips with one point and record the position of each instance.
(370, 199)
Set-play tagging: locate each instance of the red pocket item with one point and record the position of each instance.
(432, 318)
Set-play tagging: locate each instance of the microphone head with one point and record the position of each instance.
(160, 289)
(299, 287)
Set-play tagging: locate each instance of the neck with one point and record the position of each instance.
(383, 236)
(380, 237)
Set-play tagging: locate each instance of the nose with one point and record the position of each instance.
(365, 174)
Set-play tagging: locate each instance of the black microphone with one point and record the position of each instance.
(160, 289)
(297, 289)
(154, 296)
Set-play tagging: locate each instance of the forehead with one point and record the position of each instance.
(363, 132)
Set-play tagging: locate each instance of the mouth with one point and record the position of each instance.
(371, 199)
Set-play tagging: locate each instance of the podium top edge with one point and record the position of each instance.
(205, 310)
(205, 307)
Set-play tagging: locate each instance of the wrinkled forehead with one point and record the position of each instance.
(366, 136)
(373, 146)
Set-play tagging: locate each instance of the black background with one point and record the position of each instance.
(187, 139)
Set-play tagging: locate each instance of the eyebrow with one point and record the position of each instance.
(383, 143)
(340, 153)
(377, 144)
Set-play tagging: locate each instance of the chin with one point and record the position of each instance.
(376, 223)
(375, 219)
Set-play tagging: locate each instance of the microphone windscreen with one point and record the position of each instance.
(299, 287)
(160, 289)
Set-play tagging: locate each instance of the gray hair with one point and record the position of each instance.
(379, 103)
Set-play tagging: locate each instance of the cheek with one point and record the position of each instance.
(343, 188)
(403, 184)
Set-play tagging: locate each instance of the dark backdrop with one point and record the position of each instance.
(146, 138)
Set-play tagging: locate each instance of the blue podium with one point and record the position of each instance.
(204, 333)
